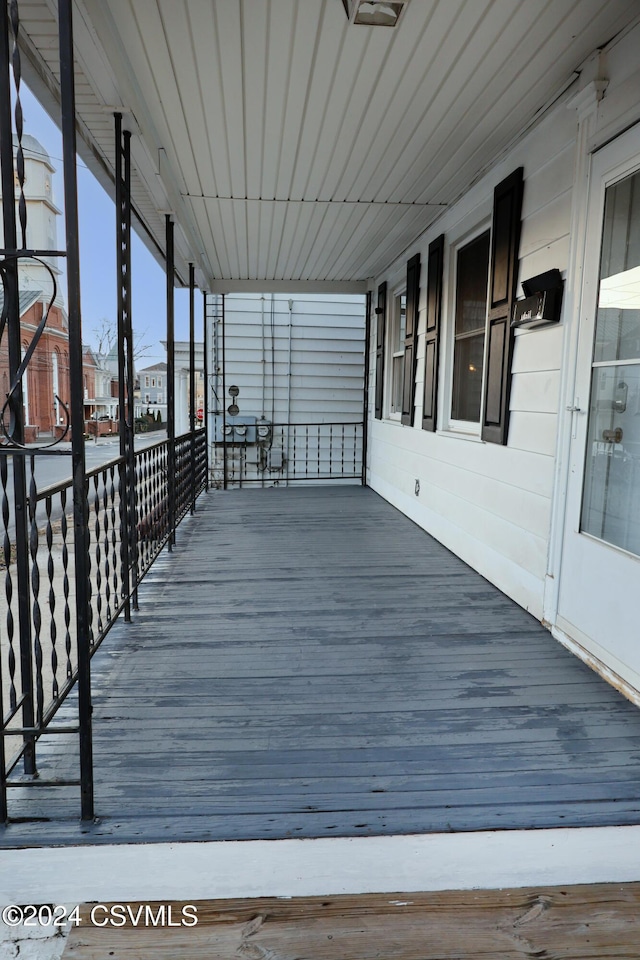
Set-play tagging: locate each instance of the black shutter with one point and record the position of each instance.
(503, 279)
(411, 339)
(381, 317)
(434, 309)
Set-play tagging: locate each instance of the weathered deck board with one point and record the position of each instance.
(310, 663)
(576, 922)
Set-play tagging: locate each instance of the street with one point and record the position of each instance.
(51, 470)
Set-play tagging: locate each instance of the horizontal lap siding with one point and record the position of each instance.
(324, 378)
(491, 504)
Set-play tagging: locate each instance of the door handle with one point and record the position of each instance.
(574, 408)
(612, 436)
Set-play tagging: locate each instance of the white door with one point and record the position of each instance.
(599, 597)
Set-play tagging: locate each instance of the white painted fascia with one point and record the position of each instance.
(289, 868)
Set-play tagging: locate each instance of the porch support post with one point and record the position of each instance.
(171, 420)
(192, 384)
(224, 400)
(16, 405)
(205, 377)
(123, 380)
(80, 508)
(365, 399)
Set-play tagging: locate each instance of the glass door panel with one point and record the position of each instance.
(611, 495)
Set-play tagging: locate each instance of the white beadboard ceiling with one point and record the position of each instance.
(291, 146)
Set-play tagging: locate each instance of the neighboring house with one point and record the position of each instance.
(153, 389)
(106, 390)
(89, 368)
(182, 383)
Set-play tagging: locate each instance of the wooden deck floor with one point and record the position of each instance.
(576, 922)
(309, 663)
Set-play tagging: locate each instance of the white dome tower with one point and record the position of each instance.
(42, 216)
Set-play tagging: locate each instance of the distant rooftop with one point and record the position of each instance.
(155, 366)
(26, 298)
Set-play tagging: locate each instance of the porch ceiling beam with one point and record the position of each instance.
(290, 286)
(320, 200)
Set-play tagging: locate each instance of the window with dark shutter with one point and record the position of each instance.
(381, 321)
(503, 279)
(410, 339)
(434, 307)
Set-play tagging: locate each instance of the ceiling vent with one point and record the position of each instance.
(375, 13)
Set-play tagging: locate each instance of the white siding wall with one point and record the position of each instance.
(492, 505)
(298, 365)
(295, 360)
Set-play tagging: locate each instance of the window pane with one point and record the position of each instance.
(472, 276)
(396, 395)
(398, 332)
(467, 378)
(399, 323)
(618, 318)
(471, 285)
(611, 502)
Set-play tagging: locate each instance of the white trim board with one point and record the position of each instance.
(287, 868)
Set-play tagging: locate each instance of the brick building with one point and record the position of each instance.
(46, 382)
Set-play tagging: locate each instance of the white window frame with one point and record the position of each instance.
(468, 232)
(400, 290)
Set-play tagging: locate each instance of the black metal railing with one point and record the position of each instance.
(291, 452)
(36, 681)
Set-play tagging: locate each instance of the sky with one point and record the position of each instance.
(97, 225)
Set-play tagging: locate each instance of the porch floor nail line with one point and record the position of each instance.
(310, 663)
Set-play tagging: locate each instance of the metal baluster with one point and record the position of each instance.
(35, 593)
(142, 483)
(355, 447)
(98, 552)
(330, 449)
(107, 546)
(65, 581)
(8, 585)
(53, 629)
(117, 600)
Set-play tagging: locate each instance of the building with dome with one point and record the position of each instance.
(46, 382)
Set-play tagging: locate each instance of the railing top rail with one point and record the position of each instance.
(199, 431)
(56, 488)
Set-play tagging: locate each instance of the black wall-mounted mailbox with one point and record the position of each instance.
(542, 301)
